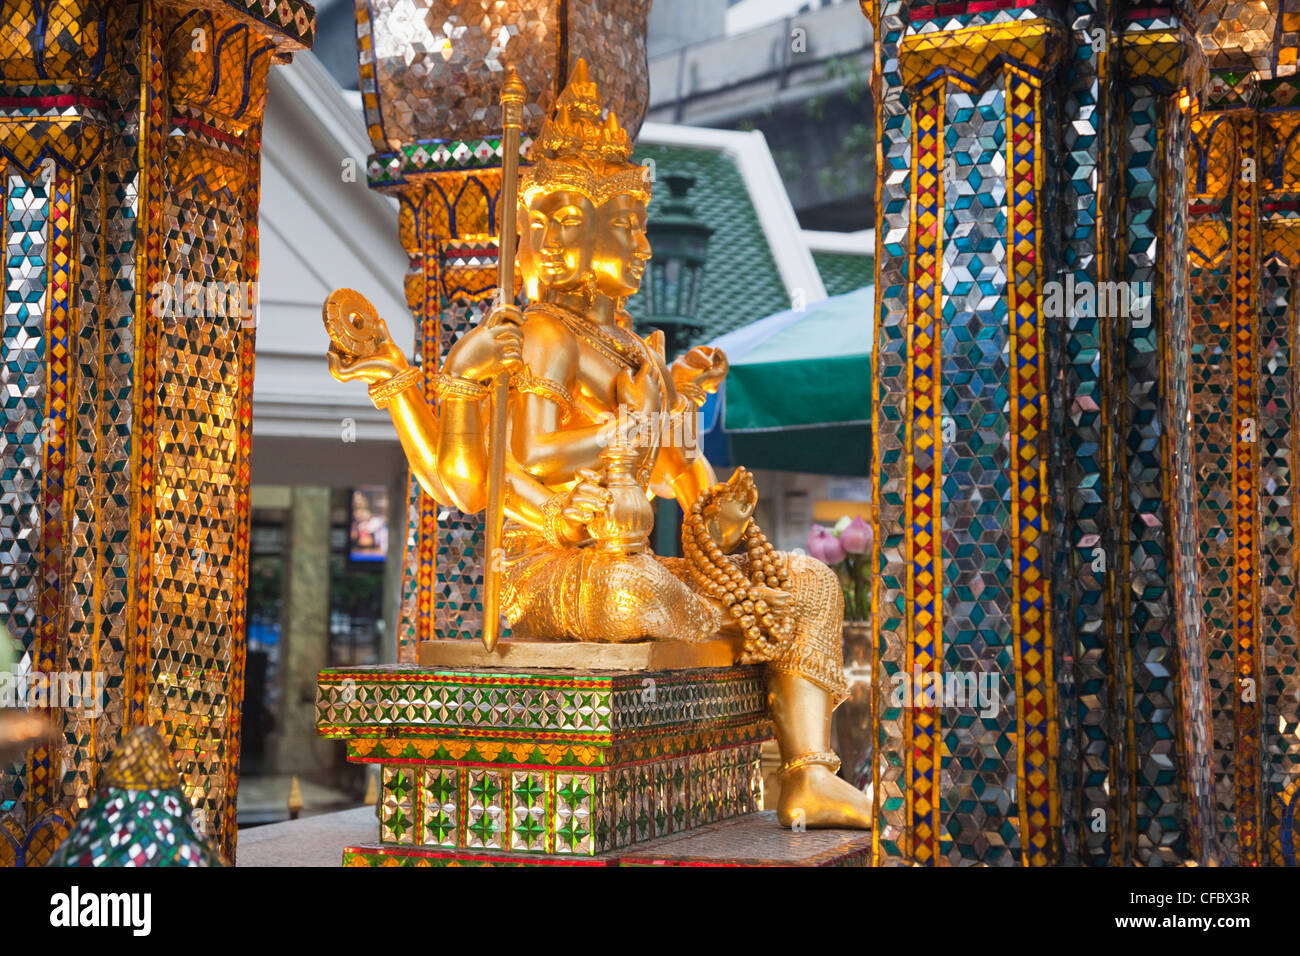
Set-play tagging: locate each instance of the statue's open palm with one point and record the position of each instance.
(361, 346)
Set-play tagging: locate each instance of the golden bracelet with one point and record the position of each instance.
(453, 386)
(382, 392)
(821, 758)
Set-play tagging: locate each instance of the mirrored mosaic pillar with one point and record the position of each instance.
(130, 158)
(1134, 735)
(1035, 646)
(960, 431)
(1244, 248)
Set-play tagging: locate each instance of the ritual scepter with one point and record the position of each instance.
(512, 123)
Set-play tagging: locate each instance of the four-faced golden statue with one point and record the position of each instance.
(581, 466)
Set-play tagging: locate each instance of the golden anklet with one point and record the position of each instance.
(819, 758)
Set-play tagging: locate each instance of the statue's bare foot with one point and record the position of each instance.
(815, 797)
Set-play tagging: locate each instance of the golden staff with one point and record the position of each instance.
(512, 122)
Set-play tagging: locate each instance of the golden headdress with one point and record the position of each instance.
(578, 150)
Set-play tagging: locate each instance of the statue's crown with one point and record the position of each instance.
(578, 150)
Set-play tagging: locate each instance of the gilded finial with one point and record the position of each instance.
(141, 762)
(513, 89)
(140, 815)
(513, 94)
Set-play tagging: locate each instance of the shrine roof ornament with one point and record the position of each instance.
(289, 24)
(1247, 36)
(460, 48)
(140, 815)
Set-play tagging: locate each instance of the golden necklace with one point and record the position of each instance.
(596, 337)
(767, 631)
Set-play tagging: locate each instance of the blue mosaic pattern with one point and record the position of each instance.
(22, 377)
(458, 583)
(1157, 829)
(979, 780)
(889, 471)
(1280, 671)
(1078, 349)
(1193, 682)
(1210, 303)
(1089, 610)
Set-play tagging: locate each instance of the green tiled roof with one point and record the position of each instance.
(844, 271)
(741, 283)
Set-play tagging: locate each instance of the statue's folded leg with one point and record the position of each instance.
(583, 594)
(816, 653)
(554, 592)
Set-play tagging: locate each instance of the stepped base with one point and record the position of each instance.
(754, 839)
(480, 763)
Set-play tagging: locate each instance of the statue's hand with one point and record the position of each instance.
(776, 599)
(489, 349)
(732, 509)
(587, 499)
(703, 367)
(638, 393)
(379, 366)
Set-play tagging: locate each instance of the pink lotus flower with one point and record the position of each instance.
(824, 546)
(856, 537)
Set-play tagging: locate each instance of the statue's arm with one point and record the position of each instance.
(418, 430)
(447, 453)
(458, 450)
(361, 349)
(682, 474)
(462, 460)
(449, 457)
(463, 466)
(681, 471)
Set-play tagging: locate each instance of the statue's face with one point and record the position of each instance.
(556, 245)
(620, 250)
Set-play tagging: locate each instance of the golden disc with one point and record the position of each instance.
(352, 322)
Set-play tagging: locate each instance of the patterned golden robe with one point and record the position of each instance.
(553, 592)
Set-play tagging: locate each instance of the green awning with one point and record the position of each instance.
(798, 394)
